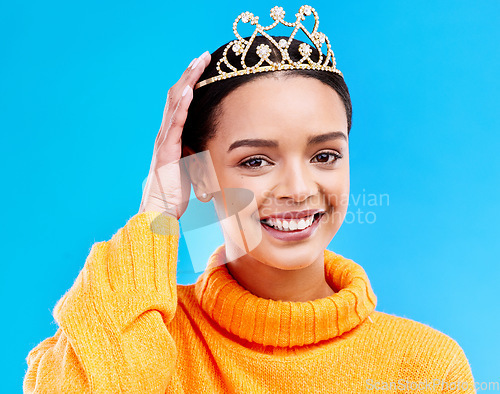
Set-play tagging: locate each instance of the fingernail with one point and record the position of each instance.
(184, 92)
(196, 63)
(192, 61)
(205, 54)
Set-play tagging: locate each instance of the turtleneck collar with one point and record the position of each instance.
(286, 323)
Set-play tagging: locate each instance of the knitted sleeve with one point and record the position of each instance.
(112, 334)
(459, 377)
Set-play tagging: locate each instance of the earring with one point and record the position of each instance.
(204, 195)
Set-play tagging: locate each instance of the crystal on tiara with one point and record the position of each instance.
(305, 50)
(263, 51)
(241, 46)
(277, 13)
(237, 48)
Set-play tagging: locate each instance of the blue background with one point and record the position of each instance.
(83, 85)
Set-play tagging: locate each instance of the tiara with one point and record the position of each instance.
(240, 46)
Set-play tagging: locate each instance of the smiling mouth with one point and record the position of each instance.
(292, 225)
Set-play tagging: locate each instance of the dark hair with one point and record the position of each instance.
(201, 120)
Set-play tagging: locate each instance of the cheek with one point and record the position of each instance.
(336, 191)
(237, 209)
(258, 187)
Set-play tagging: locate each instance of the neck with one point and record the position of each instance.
(297, 285)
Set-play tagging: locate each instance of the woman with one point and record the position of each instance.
(274, 311)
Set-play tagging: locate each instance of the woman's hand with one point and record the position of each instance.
(168, 188)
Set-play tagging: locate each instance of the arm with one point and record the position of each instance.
(112, 334)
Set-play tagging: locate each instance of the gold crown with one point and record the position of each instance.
(241, 47)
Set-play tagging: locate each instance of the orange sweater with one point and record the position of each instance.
(126, 326)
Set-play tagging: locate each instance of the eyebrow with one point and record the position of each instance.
(259, 143)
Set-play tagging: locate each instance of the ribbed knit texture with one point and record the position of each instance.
(285, 323)
(125, 326)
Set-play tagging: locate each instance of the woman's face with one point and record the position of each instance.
(284, 142)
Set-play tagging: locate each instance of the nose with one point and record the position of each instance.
(295, 182)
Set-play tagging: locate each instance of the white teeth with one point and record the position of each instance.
(290, 225)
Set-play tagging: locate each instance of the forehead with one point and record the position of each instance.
(283, 108)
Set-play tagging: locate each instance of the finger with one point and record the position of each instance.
(197, 69)
(189, 77)
(178, 119)
(192, 74)
(190, 66)
(163, 127)
(172, 102)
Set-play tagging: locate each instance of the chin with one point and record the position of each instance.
(291, 256)
(291, 259)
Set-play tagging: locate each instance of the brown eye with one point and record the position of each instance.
(322, 157)
(253, 162)
(328, 157)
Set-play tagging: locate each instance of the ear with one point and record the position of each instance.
(197, 169)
